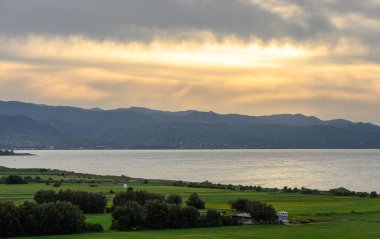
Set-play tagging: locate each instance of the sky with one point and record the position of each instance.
(255, 57)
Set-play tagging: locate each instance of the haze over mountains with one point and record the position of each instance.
(26, 125)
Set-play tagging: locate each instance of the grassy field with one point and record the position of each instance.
(337, 217)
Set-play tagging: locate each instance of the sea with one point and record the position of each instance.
(357, 170)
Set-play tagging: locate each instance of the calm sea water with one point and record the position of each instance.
(321, 169)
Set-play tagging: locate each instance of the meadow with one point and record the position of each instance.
(331, 216)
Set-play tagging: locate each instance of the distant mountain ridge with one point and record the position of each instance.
(27, 125)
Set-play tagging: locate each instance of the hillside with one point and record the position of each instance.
(25, 125)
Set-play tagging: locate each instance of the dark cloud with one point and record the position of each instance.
(127, 20)
(131, 19)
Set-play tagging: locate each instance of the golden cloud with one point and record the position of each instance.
(252, 77)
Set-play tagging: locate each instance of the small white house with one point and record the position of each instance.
(283, 217)
(125, 185)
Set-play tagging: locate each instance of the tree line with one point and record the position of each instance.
(31, 219)
(88, 202)
(133, 210)
(303, 190)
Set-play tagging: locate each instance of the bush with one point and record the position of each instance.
(195, 201)
(362, 194)
(341, 192)
(93, 227)
(15, 179)
(212, 218)
(229, 221)
(57, 184)
(128, 217)
(174, 199)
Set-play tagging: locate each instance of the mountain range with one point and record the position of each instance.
(36, 126)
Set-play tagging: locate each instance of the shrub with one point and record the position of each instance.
(362, 194)
(212, 218)
(128, 217)
(15, 179)
(57, 184)
(229, 221)
(195, 201)
(341, 192)
(93, 227)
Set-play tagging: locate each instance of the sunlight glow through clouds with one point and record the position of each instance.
(227, 54)
(227, 76)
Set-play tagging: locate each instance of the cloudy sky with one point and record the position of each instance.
(257, 57)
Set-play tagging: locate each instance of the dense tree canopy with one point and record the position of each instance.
(195, 201)
(87, 201)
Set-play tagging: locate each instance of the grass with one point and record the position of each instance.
(333, 230)
(338, 217)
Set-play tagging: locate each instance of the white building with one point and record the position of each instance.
(283, 217)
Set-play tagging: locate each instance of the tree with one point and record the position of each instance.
(212, 218)
(190, 216)
(175, 218)
(62, 218)
(15, 179)
(10, 224)
(373, 194)
(156, 214)
(141, 197)
(195, 201)
(40, 219)
(32, 219)
(241, 204)
(88, 202)
(261, 212)
(128, 217)
(45, 196)
(174, 199)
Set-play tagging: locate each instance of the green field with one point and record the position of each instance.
(335, 217)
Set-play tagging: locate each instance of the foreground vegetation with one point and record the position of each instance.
(331, 216)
